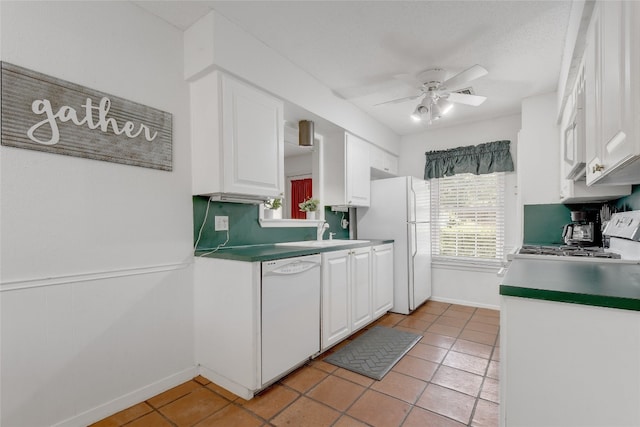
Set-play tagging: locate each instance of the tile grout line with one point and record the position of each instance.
(333, 373)
(440, 364)
(369, 387)
(475, 403)
(476, 398)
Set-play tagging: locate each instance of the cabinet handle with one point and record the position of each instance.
(597, 168)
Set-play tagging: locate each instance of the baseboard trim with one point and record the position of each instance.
(140, 395)
(225, 383)
(462, 302)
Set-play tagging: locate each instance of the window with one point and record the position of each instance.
(468, 217)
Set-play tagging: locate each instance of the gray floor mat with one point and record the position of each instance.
(375, 352)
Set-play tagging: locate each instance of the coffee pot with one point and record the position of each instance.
(580, 232)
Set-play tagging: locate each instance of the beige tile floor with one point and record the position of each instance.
(450, 378)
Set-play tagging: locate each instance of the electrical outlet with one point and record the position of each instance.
(222, 223)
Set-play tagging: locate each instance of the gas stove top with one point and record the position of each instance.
(568, 251)
(623, 231)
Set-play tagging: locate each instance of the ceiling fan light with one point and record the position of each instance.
(446, 107)
(436, 112)
(440, 108)
(418, 113)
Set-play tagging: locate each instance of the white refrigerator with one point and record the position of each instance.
(400, 210)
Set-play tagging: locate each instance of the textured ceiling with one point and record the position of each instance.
(356, 47)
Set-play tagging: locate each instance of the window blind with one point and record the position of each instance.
(468, 217)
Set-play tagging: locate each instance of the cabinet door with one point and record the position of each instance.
(376, 157)
(231, 355)
(358, 181)
(335, 297)
(612, 60)
(382, 279)
(617, 49)
(391, 164)
(360, 287)
(253, 140)
(593, 99)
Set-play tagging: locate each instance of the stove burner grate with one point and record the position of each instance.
(572, 251)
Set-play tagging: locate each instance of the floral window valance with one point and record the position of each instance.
(476, 159)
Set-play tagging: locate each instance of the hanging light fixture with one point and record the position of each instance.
(440, 108)
(433, 108)
(421, 110)
(305, 133)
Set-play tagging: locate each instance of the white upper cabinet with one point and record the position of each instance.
(382, 163)
(573, 137)
(237, 136)
(613, 104)
(573, 188)
(347, 179)
(357, 171)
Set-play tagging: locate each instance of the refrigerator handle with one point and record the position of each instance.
(412, 204)
(412, 238)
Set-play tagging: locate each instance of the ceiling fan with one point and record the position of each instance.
(438, 94)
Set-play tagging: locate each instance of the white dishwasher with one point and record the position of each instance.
(290, 314)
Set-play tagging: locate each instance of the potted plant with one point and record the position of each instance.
(270, 206)
(310, 206)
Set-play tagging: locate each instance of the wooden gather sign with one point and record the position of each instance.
(43, 113)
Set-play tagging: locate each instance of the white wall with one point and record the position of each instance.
(453, 284)
(96, 276)
(539, 151)
(298, 165)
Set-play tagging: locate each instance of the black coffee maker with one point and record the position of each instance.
(581, 231)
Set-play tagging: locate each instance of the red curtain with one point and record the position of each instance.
(301, 190)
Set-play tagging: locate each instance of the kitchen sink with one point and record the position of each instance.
(322, 243)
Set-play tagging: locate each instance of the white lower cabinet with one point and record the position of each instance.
(591, 376)
(346, 293)
(382, 279)
(227, 323)
(245, 318)
(336, 297)
(360, 264)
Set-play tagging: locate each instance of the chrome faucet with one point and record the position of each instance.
(321, 227)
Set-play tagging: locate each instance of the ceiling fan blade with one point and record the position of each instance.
(399, 100)
(462, 78)
(463, 98)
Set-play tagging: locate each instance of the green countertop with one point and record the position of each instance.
(602, 284)
(268, 252)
